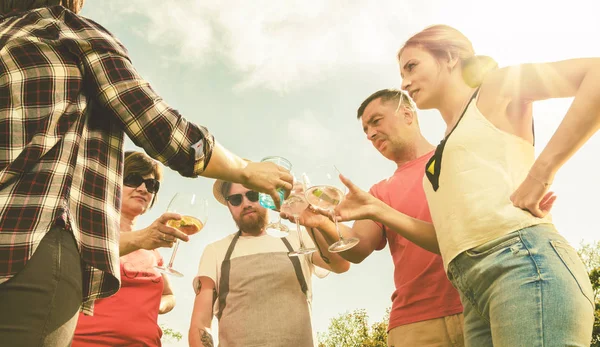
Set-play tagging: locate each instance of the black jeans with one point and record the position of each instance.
(39, 306)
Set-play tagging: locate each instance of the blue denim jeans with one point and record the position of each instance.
(528, 288)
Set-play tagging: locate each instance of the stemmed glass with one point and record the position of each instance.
(294, 205)
(325, 191)
(276, 229)
(194, 213)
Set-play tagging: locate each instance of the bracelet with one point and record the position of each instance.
(545, 184)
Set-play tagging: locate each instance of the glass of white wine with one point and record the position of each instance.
(294, 205)
(324, 192)
(194, 213)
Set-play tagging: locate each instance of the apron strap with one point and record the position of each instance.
(297, 267)
(225, 269)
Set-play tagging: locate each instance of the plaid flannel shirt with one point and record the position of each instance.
(68, 95)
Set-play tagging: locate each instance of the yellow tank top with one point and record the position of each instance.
(469, 181)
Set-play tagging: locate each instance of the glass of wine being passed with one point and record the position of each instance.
(194, 213)
(294, 205)
(275, 229)
(324, 192)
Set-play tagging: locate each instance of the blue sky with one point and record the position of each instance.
(285, 78)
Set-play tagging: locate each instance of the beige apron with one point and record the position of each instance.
(263, 301)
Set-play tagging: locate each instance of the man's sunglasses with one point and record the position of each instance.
(236, 199)
(135, 180)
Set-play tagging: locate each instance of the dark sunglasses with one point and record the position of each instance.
(135, 180)
(236, 199)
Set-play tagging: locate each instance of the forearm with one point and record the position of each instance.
(167, 303)
(225, 165)
(200, 336)
(202, 314)
(128, 242)
(414, 230)
(580, 123)
(334, 261)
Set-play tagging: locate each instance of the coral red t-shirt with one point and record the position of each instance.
(128, 318)
(423, 290)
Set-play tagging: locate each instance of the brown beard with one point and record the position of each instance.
(255, 225)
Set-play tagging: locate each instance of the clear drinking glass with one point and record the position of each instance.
(276, 229)
(294, 205)
(194, 213)
(325, 191)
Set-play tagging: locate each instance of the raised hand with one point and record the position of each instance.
(266, 177)
(357, 204)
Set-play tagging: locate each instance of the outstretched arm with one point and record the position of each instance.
(359, 204)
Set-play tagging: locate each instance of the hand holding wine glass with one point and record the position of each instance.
(160, 234)
(324, 192)
(295, 205)
(272, 176)
(309, 218)
(275, 229)
(194, 213)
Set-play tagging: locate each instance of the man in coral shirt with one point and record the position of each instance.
(426, 309)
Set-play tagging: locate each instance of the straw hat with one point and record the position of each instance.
(217, 192)
(217, 188)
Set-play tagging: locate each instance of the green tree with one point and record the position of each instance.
(352, 329)
(169, 334)
(590, 254)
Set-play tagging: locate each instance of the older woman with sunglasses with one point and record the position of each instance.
(144, 293)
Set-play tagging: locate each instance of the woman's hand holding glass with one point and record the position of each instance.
(159, 234)
(193, 211)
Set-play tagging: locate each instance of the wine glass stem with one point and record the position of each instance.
(299, 232)
(336, 224)
(173, 254)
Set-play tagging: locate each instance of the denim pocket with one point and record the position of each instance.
(495, 245)
(571, 259)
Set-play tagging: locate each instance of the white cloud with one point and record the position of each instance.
(185, 25)
(284, 45)
(276, 45)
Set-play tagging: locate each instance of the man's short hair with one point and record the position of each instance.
(387, 95)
